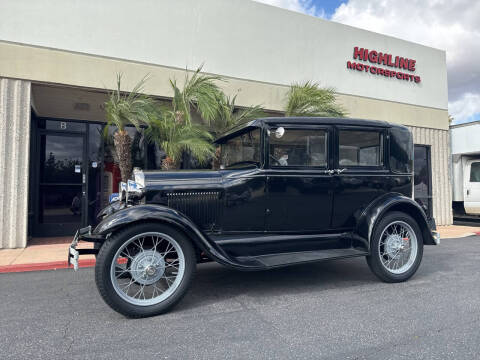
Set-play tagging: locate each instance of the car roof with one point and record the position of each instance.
(263, 122)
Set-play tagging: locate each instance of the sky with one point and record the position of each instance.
(451, 25)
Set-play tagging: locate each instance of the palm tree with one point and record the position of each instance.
(309, 99)
(172, 127)
(228, 116)
(122, 109)
(200, 93)
(174, 131)
(176, 137)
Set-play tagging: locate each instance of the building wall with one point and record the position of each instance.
(259, 49)
(441, 176)
(95, 72)
(14, 161)
(235, 38)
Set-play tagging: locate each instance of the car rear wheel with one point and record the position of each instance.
(145, 269)
(396, 248)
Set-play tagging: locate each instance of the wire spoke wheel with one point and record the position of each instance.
(398, 247)
(147, 269)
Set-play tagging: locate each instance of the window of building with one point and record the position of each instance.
(299, 148)
(360, 148)
(475, 172)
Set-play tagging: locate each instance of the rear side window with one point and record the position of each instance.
(475, 172)
(360, 148)
(401, 151)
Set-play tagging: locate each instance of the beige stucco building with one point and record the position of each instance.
(58, 59)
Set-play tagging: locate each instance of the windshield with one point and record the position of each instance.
(241, 150)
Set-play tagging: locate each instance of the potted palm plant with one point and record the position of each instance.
(176, 137)
(172, 127)
(123, 109)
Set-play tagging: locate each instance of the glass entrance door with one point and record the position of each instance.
(62, 182)
(74, 170)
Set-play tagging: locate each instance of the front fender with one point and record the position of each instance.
(392, 202)
(163, 214)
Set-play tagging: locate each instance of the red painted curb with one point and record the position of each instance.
(54, 265)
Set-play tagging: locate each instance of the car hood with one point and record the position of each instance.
(178, 180)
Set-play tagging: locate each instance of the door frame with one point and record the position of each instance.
(298, 172)
(34, 183)
(428, 149)
(43, 230)
(470, 205)
(361, 173)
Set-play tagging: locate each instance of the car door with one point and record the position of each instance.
(244, 184)
(360, 172)
(299, 196)
(472, 187)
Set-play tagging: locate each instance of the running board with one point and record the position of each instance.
(285, 259)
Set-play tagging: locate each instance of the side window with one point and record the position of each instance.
(360, 148)
(401, 150)
(475, 172)
(299, 148)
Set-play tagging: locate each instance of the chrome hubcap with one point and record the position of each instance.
(147, 268)
(393, 244)
(398, 247)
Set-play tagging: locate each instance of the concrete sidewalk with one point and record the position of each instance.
(456, 231)
(46, 256)
(51, 253)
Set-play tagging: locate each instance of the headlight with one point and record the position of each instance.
(139, 177)
(133, 187)
(122, 188)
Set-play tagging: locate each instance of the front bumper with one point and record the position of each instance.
(84, 234)
(433, 229)
(436, 237)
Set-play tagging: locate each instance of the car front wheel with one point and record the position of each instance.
(145, 269)
(396, 248)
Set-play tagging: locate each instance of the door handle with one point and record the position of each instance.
(339, 171)
(468, 191)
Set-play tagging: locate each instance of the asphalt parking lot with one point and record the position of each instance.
(329, 310)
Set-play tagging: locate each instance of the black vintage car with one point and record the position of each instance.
(287, 191)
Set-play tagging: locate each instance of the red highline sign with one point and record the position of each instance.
(379, 58)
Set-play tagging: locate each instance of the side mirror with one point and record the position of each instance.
(279, 132)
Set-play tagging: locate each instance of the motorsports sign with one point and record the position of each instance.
(397, 67)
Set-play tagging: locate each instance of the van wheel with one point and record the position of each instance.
(145, 269)
(396, 248)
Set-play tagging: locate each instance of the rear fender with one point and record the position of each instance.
(392, 202)
(164, 214)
